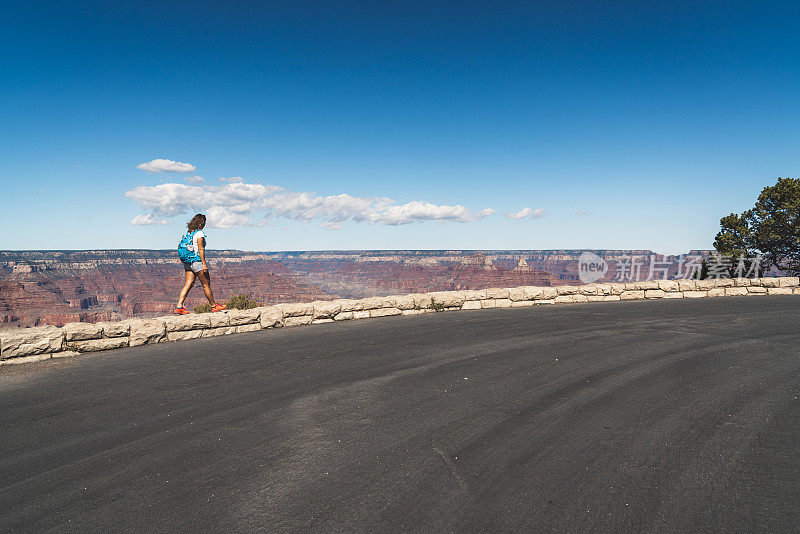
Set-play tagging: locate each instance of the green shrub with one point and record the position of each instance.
(237, 302)
(242, 302)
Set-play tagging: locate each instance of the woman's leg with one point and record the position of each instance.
(205, 279)
(186, 287)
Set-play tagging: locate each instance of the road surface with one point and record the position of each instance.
(661, 416)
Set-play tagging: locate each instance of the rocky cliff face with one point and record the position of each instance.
(56, 287)
(363, 279)
(61, 292)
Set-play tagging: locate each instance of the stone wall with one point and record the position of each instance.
(41, 343)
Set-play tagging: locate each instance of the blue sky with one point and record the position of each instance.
(625, 124)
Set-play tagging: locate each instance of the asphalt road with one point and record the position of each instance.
(664, 416)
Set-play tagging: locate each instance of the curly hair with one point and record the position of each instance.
(197, 222)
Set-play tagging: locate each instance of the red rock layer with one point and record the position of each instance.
(111, 292)
(55, 287)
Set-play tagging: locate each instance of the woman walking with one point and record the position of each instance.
(192, 252)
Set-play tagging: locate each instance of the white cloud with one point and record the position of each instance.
(147, 220)
(234, 203)
(425, 211)
(527, 213)
(195, 179)
(232, 179)
(166, 165)
(222, 217)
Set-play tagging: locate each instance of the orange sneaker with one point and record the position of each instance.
(181, 311)
(219, 307)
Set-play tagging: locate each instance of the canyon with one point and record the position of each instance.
(57, 287)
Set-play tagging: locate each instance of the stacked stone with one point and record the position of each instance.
(40, 343)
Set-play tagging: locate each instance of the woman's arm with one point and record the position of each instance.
(201, 251)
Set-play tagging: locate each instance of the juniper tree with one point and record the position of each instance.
(771, 228)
